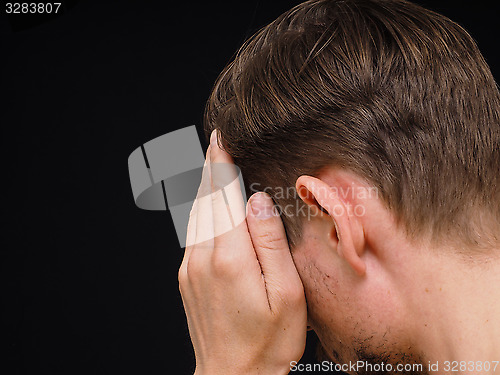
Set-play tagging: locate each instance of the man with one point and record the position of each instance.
(385, 118)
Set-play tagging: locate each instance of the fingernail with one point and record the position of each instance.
(262, 206)
(213, 138)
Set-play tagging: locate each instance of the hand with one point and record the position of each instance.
(243, 297)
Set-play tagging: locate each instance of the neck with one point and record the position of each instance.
(456, 310)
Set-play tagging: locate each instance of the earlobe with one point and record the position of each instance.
(349, 232)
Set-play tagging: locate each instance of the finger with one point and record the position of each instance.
(228, 206)
(204, 222)
(191, 237)
(191, 229)
(271, 246)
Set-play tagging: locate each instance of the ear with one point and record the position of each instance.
(349, 234)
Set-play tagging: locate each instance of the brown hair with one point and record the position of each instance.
(396, 93)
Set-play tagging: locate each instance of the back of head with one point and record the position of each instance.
(393, 92)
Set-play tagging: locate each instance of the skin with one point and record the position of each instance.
(411, 303)
(372, 294)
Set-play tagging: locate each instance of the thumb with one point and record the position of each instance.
(271, 247)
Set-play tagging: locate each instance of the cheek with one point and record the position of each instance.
(330, 310)
(343, 309)
(326, 289)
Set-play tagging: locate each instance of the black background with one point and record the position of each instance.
(89, 281)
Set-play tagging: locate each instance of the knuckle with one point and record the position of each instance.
(295, 295)
(182, 275)
(194, 268)
(271, 240)
(290, 295)
(223, 264)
